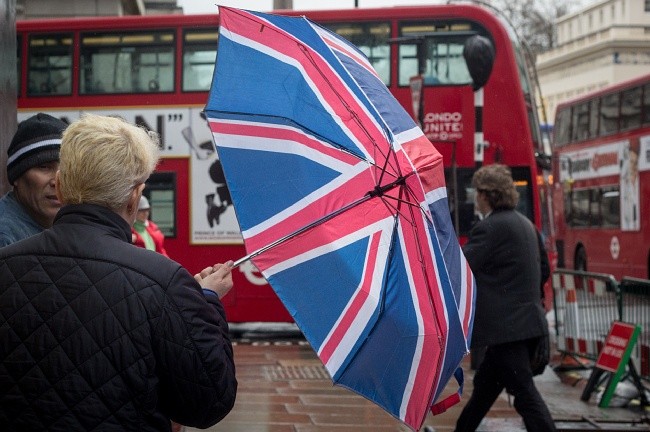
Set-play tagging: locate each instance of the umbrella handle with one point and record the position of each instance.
(242, 260)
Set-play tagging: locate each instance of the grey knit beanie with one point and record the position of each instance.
(37, 141)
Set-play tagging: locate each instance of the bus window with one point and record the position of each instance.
(465, 208)
(631, 108)
(127, 63)
(466, 214)
(535, 128)
(19, 47)
(595, 207)
(436, 52)
(522, 69)
(562, 127)
(408, 63)
(521, 176)
(372, 39)
(161, 190)
(199, 54)
(580, 122)
(646, 104)
(50, 65)
(580, 208)
(531, 109)
(609, 106)
(593, 117)
(610, 207)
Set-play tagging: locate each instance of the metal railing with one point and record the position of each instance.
(635, 308)
(586, 304)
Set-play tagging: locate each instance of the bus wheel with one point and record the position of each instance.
(580, 261)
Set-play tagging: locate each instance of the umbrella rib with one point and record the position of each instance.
(307, 54)
(301, 230)
(397, 200)
(377, 192)
(309, 131)
(355, 116)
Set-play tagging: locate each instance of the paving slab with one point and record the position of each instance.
(283, 387)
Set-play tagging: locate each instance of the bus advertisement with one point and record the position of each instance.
(601, 161)
(156, 71)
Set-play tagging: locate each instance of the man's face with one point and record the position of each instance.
(481, 204)
(143, 215)
(34, 189)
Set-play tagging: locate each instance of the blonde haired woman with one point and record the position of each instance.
(115, 336)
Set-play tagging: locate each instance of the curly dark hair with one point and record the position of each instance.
(495, 181)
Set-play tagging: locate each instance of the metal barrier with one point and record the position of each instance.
(635, 308)
(585, 305)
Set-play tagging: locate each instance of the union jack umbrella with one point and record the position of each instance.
(342, 205)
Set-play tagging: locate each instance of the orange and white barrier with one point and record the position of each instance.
(585, 306)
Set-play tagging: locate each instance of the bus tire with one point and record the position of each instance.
(580, 259)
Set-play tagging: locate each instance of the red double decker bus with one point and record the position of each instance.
(156, 71)
(601, 155)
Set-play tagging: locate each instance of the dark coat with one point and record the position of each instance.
(507, 258)
(98, 334)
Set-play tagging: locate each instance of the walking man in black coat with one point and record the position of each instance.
(510, 264)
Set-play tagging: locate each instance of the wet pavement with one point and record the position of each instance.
(283, 387)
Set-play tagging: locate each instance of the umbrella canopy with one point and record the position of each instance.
(342, 206)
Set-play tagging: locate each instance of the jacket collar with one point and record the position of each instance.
(97, 216)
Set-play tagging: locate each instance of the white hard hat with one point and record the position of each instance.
(144, 203)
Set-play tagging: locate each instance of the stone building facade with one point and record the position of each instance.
(604, 43)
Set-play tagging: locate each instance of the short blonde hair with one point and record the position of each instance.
(102, 159)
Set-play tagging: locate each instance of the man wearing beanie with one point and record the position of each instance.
(33, 159)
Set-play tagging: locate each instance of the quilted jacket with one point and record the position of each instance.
(98, 334)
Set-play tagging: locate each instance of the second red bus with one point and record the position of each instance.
(601, 162)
